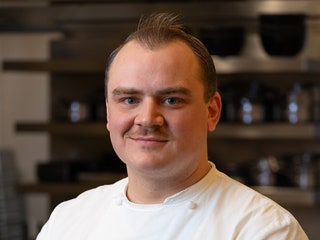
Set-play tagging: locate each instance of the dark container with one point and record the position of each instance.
(223, 41)
(282, 34)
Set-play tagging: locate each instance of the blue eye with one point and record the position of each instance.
(172, 101)
(130, 100)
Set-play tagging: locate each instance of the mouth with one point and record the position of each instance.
(149, 139)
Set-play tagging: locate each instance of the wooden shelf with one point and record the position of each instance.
(290, 196)
(283, 131)
(266, 65)
(58, 66)
(45, 16)
(75, 129)
(69, 188)
(133, 9)
(55, 189)
(223, 131)
(230, 65)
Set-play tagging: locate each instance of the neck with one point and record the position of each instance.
(150, 189)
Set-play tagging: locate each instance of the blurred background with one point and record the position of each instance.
(53, 141)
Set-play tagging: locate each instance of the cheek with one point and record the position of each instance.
(118, 122)
(186, 125)
(194, 126)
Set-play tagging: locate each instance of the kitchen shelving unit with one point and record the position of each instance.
(82, 53)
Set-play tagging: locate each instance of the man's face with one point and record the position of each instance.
(156, 113)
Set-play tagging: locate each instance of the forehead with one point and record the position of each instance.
(174, 61)
(134, 51)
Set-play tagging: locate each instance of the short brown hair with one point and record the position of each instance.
(162, 28)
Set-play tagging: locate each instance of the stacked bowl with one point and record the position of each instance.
(11, 204)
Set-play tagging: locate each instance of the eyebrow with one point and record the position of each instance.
(173, 90)
(120, 91)
(165, 91)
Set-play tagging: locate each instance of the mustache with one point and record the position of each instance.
(148, 132)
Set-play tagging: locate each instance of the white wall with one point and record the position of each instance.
(24, 96)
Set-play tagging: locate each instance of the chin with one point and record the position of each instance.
(146, 164)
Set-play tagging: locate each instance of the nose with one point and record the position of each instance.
(149, 114)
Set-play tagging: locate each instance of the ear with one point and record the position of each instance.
(214, 110)
(107, 116)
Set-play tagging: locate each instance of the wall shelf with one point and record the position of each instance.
(75, 129)
(67, 188)
(51, 17)
(58, 66)
(266, 65)
(280, 131)
(224, 131)
(290, 196)
(230, 65)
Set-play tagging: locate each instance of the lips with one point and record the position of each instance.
(148, 137)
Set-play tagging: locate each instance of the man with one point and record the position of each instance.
(161, 99)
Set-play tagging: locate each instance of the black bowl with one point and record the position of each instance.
(223, 41)
(282, 35)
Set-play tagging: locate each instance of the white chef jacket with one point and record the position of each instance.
(216, 207)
